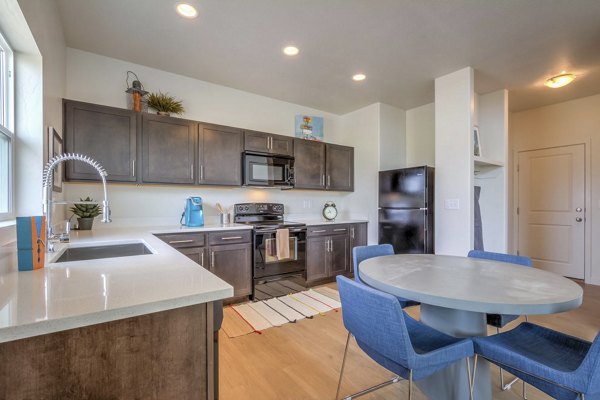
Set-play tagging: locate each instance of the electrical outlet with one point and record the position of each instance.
(452, 204)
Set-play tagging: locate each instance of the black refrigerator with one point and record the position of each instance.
(406, 209)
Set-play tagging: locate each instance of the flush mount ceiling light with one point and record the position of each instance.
(290, 50)
(559, 80)
(186, 10)
(359, 77)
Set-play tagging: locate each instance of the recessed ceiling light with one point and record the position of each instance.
(291, 50)
(559, 80)
(359, 77)
(187, 10)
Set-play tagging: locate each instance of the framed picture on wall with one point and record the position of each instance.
(309, 127)
(55, 148)
(476, 142)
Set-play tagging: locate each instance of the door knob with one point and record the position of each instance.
(578, 209)
(578, 219)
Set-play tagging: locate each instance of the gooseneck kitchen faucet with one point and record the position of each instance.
(47, 191)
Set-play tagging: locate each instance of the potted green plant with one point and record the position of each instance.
(86, 213)
(164, 104)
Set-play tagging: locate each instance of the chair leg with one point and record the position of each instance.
(473, 376)
(470, 379)
(410, 385)
(524, 391)
(337, 393)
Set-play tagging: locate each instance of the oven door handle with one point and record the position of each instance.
(291, 231)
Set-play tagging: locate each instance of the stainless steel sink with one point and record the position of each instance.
(105, 251)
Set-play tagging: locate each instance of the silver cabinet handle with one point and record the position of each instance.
(133, 167)
(269, 142)
(212, 259)
(352, 233)
(340, 230)
(181, 241)
(328, 180)
(201, 172)
(319, 231)
(192, 170)
(330, 245)
(202, 258)
(323, 180)
(231, 238)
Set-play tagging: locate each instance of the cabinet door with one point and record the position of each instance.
(196, 254)
(220, 155)
(233, 264)
(340, 168)
(339, 251)
(256, 141)
(281, 145)
(168, 149)
(316, 258)
(309, 166)
(107, 134)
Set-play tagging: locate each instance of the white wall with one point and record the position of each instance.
(98, 79)
(571, 122)
(420, 135)
(454, 102)
(392, 137)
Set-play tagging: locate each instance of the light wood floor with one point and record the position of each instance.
(302, 360)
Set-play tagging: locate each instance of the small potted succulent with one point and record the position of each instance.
(164, 104)
(86, 213)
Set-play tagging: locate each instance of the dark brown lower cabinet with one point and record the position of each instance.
(227, 254)
(232, 263)
(163, 355)
(327, 252)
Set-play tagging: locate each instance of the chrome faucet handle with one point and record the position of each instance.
(106, 212)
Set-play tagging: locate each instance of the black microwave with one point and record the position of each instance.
(267, 170)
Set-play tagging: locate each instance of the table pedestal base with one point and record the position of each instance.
(451, 383)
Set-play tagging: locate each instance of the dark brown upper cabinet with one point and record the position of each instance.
(340, 167)
(219, 155)
(261, 142)
(168, 149)
(309, 164)
(106, 134)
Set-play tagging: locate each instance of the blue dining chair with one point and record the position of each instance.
(393, 339)
(562, 366)
(362, 253)
(500, 320)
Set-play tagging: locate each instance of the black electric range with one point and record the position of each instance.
(274, 276)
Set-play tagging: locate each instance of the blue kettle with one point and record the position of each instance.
(193, 214)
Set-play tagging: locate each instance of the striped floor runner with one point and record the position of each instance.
(242, 319)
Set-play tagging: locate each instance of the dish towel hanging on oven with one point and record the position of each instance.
(282, 237)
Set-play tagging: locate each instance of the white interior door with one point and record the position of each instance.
(551, 209)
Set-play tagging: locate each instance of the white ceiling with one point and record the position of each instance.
(401, 45)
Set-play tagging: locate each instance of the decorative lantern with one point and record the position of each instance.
(136, 89)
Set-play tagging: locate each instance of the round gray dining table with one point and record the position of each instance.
(456, 293)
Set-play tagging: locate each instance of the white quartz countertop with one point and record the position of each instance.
(74, 294)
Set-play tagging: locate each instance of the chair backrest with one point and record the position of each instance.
(591, 366)
(375, 319)
(507, 258)
(362, 253)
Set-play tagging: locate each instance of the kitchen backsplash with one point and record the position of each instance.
(163, 205)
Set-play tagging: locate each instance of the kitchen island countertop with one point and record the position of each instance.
(74, 294)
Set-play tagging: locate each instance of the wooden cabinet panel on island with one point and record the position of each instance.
(106, 134)
(261, 142)
(168, 149)
(219, 155)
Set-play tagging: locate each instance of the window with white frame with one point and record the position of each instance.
(6, 130)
